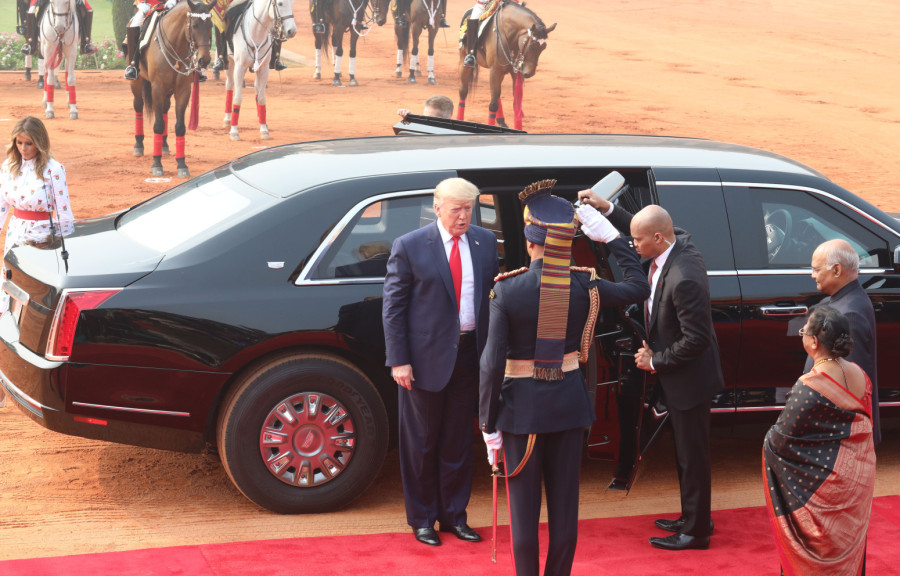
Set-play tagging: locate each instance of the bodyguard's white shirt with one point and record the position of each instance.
(467, 293)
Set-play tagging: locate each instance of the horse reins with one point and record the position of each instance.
(519, 61)
(168, 49)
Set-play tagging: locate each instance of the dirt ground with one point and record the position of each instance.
(817, 82)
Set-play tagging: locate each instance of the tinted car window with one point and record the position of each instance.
(363, 244)
(780, 229)
(489, 217)
(700, 210)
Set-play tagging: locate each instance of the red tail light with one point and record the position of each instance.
(65, 321)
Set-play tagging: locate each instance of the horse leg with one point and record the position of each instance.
(165, 133)
(229, 93)
(496, 82)
(49, 89)
(159, 124)
(28, 68)
(42, 72)
(70, 83)
(402, 42)
(337, 43)
(262, 76)
(432, 32)
(137, 87)
(465, 76)
(414, 52)
(354, 38)
(501, 121)
(181, 103)
(239, 70)
(317, 74)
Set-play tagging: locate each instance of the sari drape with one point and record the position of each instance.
(819, 467)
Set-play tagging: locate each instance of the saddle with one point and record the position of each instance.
(149, 26)
(232, 18)
(483, 21)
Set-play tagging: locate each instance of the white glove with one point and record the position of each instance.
(170, 4)
(595, 224)
(494, 442)
(143, 7)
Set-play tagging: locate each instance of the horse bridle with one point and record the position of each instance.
(519, 61)
(167, 49)
(278, 28)
(68, 21)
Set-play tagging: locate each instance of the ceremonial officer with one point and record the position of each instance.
(533, 400)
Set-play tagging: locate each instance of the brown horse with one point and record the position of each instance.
(340, 16)
(169, 66)
(512, 43)
(423, 15)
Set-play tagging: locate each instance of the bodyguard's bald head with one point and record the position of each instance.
(654, 219)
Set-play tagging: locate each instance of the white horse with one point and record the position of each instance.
(254, 32)
(58, 31)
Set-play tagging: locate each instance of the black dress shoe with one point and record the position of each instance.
(443, 23)
(619, 484)
(681, 541)
(463, 532)
(427, 536)
(678, 525)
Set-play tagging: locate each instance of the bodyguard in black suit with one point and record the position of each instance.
(682, 349)
(533, 399)
(435, 315)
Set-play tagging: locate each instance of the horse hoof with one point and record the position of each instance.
(43, 105)
(412, 78)
(40, 84)
(73, 115)
(215, 74)
(398, 73)
(431, 80)
(28, 74)
(336, 82)
(138, 151)
(184, 173)
(317, 75)
(49, 114)
(502, 123)
(353, 82)
(234, 136)
(156, 171)
(264, 136)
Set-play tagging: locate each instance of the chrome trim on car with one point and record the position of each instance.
(781, 311)
(686, 183)
(304, 280)
(128, 409)
(23, 399)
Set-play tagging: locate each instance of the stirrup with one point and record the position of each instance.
(279, 66)
(318, 28)
(401, 22)
(26, 49)
(21, 31)
(443, 23)
(470, 61)
(88, 48)
(201, 77)
(219, 65)
(131, 72)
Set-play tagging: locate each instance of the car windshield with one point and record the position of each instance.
(184, 213)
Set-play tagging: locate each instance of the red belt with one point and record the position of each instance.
(30, 214)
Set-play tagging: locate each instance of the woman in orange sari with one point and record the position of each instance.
(819, 458)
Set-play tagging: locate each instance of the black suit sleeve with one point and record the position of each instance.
(690, 299)
(493, 363)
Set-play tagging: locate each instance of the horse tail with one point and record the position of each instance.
(326, 39)
(148, 98)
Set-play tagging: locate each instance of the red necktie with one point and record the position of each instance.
(456, 270)
(653, 268)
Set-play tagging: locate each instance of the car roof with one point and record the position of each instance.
(285, 170)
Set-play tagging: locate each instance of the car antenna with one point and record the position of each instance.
(64, 253)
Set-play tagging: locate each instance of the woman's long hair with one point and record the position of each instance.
(34, 129)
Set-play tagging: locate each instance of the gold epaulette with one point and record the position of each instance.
(588, 269)
(510, 274)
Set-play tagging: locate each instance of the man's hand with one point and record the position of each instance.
(494, 442)
(402, 112)
(403, 375)
(588, 197)
(643, 356)
(595, 224)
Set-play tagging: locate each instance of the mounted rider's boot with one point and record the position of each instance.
(86, 21)
(275, 62)
(471, 39)
(132, 37)
(30, 34)
(443, 23)
(318, 17)
(402, 14)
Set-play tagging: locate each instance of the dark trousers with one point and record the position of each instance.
(691, 432)
(556, 458)
(436, 430)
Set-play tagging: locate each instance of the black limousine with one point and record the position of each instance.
(240, 311)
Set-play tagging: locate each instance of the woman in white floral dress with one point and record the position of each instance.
(32, 191)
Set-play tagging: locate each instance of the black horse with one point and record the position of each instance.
(423, 14)
(338, 17)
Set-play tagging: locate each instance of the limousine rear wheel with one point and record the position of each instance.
(303, 433)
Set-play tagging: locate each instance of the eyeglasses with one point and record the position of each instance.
(802, 332)
(816, 270)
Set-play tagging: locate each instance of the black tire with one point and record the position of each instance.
(298, 398)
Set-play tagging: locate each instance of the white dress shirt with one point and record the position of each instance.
(467, 293)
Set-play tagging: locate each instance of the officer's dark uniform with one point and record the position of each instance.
(554, 411)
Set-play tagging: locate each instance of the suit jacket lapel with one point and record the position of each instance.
(439, 254)
(475, 250)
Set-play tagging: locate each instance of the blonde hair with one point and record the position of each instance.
(457, 189)
(34, 129)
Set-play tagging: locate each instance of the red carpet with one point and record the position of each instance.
(742, 545)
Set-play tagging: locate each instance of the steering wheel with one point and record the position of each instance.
(779, 226)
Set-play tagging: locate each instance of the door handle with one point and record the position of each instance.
(783, 310)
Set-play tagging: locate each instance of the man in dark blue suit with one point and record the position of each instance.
(435, 316)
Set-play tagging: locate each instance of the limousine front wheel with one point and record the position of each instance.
(303, 433)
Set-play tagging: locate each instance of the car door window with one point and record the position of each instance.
(780, 229)
(362, 244)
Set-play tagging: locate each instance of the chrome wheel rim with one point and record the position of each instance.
(307, 439)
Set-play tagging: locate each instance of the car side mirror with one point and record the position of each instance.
(896, 260)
